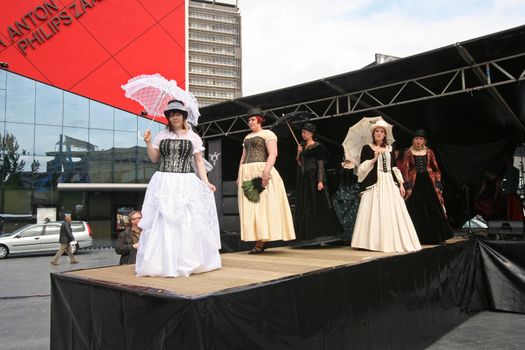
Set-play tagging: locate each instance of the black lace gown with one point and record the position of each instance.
(315, 220)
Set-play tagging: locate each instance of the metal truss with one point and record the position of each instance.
(470, 78)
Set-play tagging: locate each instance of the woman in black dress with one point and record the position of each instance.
(315, 220)
(424, 198)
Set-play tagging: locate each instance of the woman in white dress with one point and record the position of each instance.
(383, 223)
(179, 220)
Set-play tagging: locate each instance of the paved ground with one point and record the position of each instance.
(486, 330)
(25, 309)
(25, 295)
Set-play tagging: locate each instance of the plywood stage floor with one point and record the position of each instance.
(239, 269)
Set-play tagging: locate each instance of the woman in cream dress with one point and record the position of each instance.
(383, 223)
(269, 219)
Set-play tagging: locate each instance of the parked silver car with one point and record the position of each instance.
(43, 237)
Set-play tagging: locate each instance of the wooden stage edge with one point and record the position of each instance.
(238, 270)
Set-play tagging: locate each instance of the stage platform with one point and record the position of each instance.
(239, 270)
(286, 298)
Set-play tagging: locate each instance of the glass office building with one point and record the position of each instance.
(50, 137)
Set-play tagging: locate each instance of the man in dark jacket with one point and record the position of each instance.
(66, 237)
(128, 240)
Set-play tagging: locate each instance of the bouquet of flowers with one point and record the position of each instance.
(252, 189)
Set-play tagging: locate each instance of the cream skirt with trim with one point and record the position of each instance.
(270, 219)
(383, 223)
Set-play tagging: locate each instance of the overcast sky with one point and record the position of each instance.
(288, 42)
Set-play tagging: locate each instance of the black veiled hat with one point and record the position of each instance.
(308, 126)
(420, 133)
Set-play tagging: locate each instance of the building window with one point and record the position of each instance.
(48, 140)
(214, 38)
(214, 82)
(49, 104)
(212, 49)
(102, 140)
(125, 121)
(3, 75)
(2, 106)
(20, 104)
(233, 19)
(214, 28)
(100, 115)
(23, 138)
(217, 60)
(75, 139)
(76, 110)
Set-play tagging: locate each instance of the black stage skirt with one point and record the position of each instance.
(315, 220)
(427, 213)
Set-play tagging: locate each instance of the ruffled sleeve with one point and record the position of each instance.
(269, 135)
(160, 136)
(366, 165)
(398, 174)
(196, 141)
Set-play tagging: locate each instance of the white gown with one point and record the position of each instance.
(179, 219)
(383, 223)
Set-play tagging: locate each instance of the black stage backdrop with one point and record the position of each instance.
(400, 302)
(462, 161)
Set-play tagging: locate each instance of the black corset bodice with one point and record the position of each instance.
(255, 150)
(421, 164)
(308, 164)
(308, 159)
(175, 156)
(311, 162)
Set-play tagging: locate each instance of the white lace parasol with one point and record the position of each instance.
(154, 91)
(359, 135)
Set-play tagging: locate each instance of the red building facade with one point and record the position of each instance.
(92, 47)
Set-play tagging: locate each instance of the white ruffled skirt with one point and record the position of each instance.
(383, 223)
(180, 227)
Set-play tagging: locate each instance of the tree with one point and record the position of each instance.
(10, 163)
